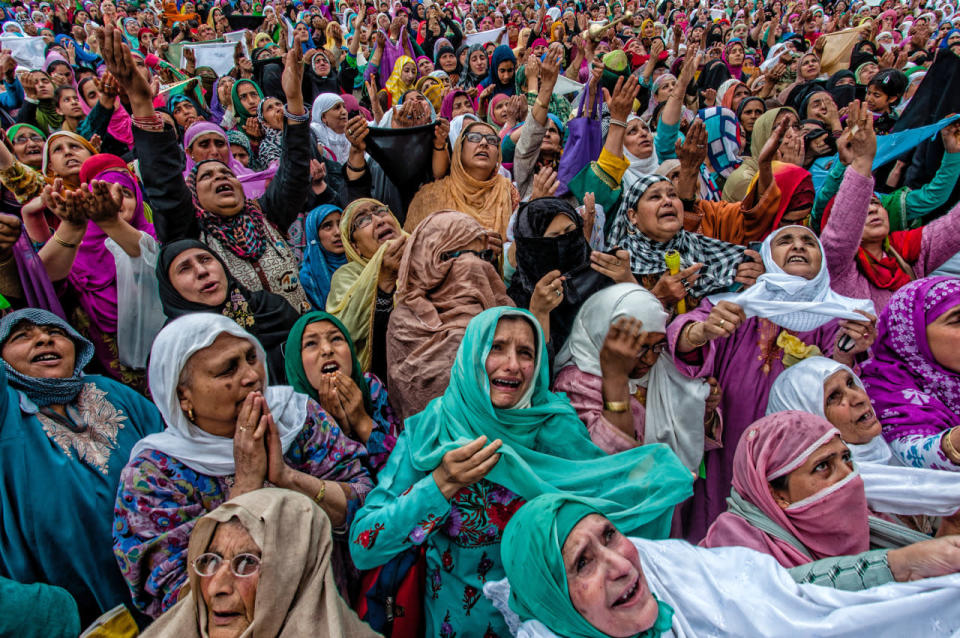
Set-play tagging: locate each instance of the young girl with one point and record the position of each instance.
(884, 92)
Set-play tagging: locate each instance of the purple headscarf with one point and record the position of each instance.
(912, 393)
(446, 107)
(254, 183)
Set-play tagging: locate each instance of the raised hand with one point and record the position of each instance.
(545, 183)
(466, 465)
(621, 102)
(693, 151)
(670, 289)
(249, 447)
(857, 145)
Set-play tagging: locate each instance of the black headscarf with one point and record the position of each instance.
(537, 255)
(842, 94)
(263, 314)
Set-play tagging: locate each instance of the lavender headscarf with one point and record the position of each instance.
(254, 184)
(912, 393)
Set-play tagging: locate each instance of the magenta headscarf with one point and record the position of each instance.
(120, 122)
(832, 522)
(446, 107)
(94, 271)
(254, 183)
(912, 393)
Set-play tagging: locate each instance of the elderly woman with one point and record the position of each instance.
(798, 496)
(207, 141)
(746, 339)
(66, 437)
(228, 433)
(361, 292)
(831, 390)
(612, 372)
(321, 362)
(914, 376)
(270, 537)
(212, 206)
(495, 438)
(474, 185)
(448, 275)
(578, 575)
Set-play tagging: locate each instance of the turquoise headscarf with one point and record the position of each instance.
(293, 359)
(636, 489)
(532, 553)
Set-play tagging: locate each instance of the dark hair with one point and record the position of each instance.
(60, 90)
(892, 82)
(779, 483)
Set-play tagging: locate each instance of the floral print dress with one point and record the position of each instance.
(160, 500)
(462, 538)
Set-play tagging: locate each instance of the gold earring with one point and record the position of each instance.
(190, 414)
(631, 230)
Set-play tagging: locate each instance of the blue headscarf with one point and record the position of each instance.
(309, 44)
(83, 54)
(41, 391)
(943, 43)
(501, 54)
(319, 263)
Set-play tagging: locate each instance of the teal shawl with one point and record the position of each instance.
(546, 447)
(533, 558)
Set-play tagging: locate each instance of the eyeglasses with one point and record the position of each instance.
(23, 139)
(486, 255)
(242, 565)
(657, 349)
(364, 220)
(476, 138)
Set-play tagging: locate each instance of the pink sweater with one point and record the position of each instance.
(841, 241)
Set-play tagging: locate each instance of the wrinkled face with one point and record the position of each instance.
(741, 91)
(425, 67)
(750, 113)
(740, 31)
(273, 113)
(28, 147)
(481, 155)
(551, 138)
(847, 406)
(797, 252)
(666, 89)
(448, 62)
(511, 363)
(67, 155)
(230, 599)
(868, 72)
(478, 63)
(325, 352)
(199, 277)
(44, 352)
(505, 72)
(828, 465)
(43, 86)
(249, 97)
(500, 110)
(329, 233)
(206, 32)
(240, 154)
(735, 55)
(877, 100)
(371, 226)
(462, 104)
(185, 113)
(605, 579)
(218, 189)
(818, 106)
(809, 67)
(209, 146)
(638, 139)
(216, 380)
(659, 213)
(321, 64)
(336, 118)
(408, 73)
(943, 338)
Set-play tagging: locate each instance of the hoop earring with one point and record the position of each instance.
(190, 415)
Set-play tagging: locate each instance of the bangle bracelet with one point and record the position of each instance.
(63, 243)
(296, 118)
(355, 169)
(440, 148)
(318, 499)
(691, 341)
(616, 406)
(949, 449)
(537, 102)
(614, 122)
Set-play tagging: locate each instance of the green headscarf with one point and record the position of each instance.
(47, 116)
(532, 554)
(12, 131)
(615, 66)
(293, 359)
(636, 489)
(242, 113)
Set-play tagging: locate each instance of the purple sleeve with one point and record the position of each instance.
(940, 242)
(698, 363)
(841, 236)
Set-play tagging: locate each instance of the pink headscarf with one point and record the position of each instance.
(832, 522)
(254, 183)
(120, 122)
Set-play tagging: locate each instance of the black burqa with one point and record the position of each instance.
(266, 316)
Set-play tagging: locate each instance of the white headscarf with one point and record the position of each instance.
(638, 166)
(793, 302)
(696, 581)
(201, 451)
(889, 486)
(338, 143)
(675, 404)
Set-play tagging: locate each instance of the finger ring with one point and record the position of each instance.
(684, 282)
(716, 390)
(559, 294)
(243, 429)
(700, 146)
(721, 322)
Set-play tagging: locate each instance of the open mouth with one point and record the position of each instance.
(386, 233)
(224, 617)
(46, 357)
(72, 163)
(210, 287)
(628, 595)
(505, 383)
(330, 367)
(223, 188)
(866, 417)
(482, 154)
(797, 259)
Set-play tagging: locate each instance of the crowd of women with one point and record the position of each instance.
(478, 319)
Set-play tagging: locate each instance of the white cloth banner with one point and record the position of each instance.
(565, 85)
(26, 52)
(218, 56)
(238, 36)
(493, 35)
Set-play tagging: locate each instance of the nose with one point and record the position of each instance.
(43, 338)
(251, 374)
(618, 566)
(326, 348)
(855, 397)
(222, 582)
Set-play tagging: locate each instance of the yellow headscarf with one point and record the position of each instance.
(432, 89)
(353, 287)
(395, 85)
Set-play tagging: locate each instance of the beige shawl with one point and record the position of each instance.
(296, 595)
(436, 299)
(490, 201)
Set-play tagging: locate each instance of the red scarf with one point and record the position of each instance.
(886, 271)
